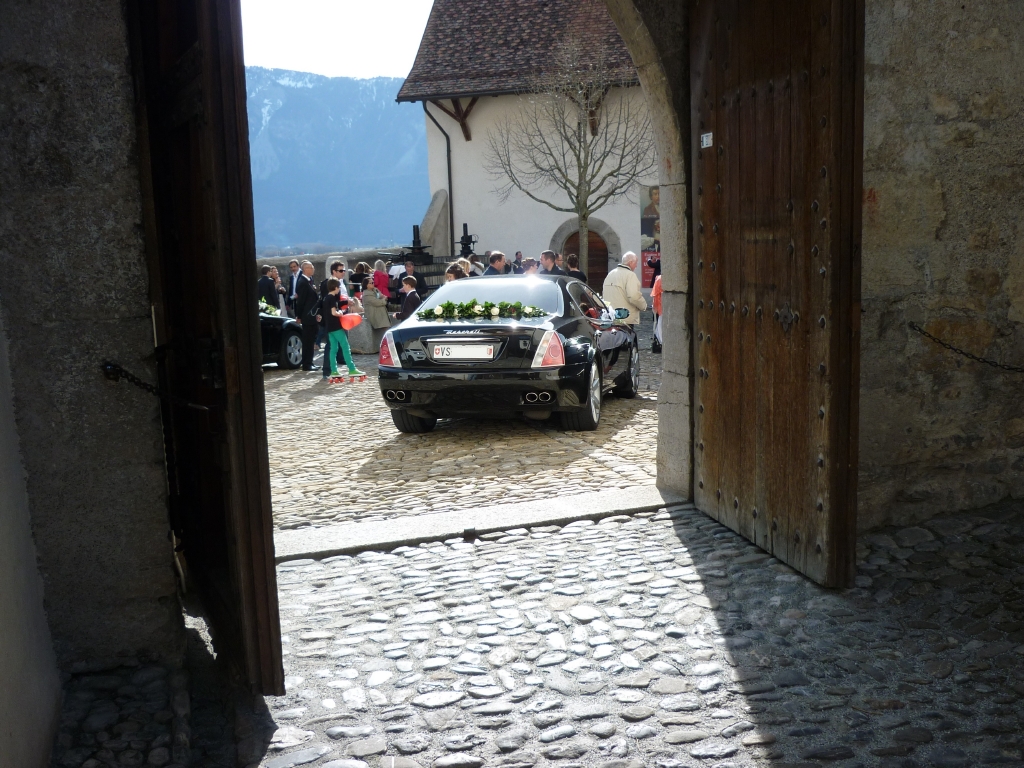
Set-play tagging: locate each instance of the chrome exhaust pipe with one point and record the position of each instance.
(399, 395)
(390, 394)
(544, 397)
(531, 397)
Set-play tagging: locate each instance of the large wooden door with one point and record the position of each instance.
(190, 83)
(776, 94)
(596, 268)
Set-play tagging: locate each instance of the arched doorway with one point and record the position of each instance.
(596, 267)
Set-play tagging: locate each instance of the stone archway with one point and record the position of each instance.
(602, 228)
(657, 36)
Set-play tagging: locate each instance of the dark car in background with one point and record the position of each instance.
(282, 340)
(562, 362)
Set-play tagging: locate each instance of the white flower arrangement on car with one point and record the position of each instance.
(475, 309)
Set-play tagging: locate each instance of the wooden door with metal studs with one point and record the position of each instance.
(198, 217)
(776, 111)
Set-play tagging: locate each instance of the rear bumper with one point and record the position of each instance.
(449, 393)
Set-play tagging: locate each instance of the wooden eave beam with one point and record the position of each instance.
(458, 113)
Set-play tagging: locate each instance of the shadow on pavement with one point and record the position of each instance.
(919, 665)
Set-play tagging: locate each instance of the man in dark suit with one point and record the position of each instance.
(266, 288)
(515, 267)
(337, 272)
(548, 266)
(294, 273)
(306, 300)
(410, 271)
(497, 264)
(410, 299)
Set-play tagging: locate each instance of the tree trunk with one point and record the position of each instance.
(585, 245)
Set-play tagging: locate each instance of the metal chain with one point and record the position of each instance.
(968, 355)
(115, 372)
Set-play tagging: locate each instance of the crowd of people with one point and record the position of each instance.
(391, 292)
(366, 291)
(497, 263)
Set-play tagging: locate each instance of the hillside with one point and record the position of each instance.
(335, 160)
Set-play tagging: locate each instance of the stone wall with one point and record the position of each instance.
(943, 246)
(74, 284)
(656, 33)
(29, 685)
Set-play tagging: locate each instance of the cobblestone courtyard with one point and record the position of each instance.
(336, 457)
(658, 640)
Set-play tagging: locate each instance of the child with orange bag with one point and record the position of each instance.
(337, 336)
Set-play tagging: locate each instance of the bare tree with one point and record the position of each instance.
(578, 140)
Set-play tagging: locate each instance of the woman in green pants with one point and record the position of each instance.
(336, 335)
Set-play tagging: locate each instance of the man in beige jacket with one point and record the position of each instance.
(622, 289)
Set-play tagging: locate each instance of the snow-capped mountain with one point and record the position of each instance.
(334, 159)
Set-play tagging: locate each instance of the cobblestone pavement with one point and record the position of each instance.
(659, 640)
(130, 716)
(336, 457)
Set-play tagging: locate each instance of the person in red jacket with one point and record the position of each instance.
(656, 301)
(380, 278)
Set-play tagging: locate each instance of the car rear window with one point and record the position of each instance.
(530, 291)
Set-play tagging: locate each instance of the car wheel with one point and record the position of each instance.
(291, 350)
(586, 420)
(406, 422)
(632, 384)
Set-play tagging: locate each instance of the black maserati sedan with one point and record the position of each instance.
(507, 345)
(281, 338)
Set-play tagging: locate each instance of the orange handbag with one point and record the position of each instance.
(350, 321)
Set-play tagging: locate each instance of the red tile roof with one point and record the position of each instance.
(485, 47)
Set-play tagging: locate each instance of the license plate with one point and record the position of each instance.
(463, 351)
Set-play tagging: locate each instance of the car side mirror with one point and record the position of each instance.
(621, 313)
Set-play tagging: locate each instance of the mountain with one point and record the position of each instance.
(335, 160)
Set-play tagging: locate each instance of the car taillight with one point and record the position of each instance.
(550, 353)
(388, 353)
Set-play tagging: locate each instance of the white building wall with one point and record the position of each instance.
(519, 224)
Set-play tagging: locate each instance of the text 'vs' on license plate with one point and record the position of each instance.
(463, 351)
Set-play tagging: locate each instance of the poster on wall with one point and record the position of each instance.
(650, 234)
